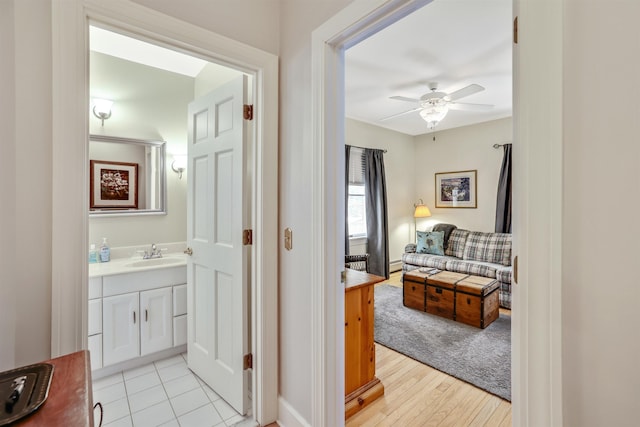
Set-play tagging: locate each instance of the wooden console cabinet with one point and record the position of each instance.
(70, 401)
(361, 385)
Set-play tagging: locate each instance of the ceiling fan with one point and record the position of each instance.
(434, 106)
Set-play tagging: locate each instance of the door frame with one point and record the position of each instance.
(537, 326)
(70, 101)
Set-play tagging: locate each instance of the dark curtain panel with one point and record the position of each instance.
(347, 156)
(375, 188)
(503, 205)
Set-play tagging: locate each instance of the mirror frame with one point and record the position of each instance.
(162, 145)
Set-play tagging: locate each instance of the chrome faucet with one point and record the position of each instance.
(154, 253)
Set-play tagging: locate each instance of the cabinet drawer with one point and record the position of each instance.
(179, 300)
(179, 330)
(95, 317)
(95, 287)
(95, 351)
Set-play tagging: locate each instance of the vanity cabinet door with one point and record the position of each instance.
(156, 320)
(121, 330)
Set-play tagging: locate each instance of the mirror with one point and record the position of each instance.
(127, 176)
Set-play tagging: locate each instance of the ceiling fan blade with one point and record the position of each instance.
(400, 114)
(465, 106)
(465, 91)
(404, 98)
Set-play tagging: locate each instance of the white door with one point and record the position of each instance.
(156, 322)
(217, 285)
(121, 333)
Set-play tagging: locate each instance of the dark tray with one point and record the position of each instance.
(36, 390)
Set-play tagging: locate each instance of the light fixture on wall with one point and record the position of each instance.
(420, 211)
(179, 164)
(102, 109)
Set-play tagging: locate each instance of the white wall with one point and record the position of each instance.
(600, 292)
(8, 212)
(297, 21)
(253, 22)
(25, 129)
(465, 148)
(148, 104)
(399, 173)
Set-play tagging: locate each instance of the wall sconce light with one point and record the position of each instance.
(102, 109)
(179, 164)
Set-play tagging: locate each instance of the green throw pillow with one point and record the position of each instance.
(430, 242)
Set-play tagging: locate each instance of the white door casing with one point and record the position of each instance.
(537, 345)
(70, 100)
(217, 274)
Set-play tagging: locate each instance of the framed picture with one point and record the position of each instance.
(456, 189)
(113, 185)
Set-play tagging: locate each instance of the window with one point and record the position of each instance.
(356, 208)
(357, 220)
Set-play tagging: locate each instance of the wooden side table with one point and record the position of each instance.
(361, 385)
(70, 399)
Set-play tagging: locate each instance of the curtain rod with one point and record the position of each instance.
(500, 145)
(365, 148)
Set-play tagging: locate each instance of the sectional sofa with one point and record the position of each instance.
(463, 251)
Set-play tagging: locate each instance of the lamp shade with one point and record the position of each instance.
(102, 107)
(433, 113)
(422, 211)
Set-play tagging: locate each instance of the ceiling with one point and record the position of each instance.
(134, 50)
(454, 43)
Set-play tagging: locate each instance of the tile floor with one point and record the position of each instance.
(163, 393)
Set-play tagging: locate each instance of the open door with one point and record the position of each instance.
(217, 288)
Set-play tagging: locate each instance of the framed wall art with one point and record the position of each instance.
(456, 189)
(113, 185)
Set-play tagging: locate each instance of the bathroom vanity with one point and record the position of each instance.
(137, 311)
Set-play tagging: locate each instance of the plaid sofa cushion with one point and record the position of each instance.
(504, 274)
(425, 260)
(488, 247)
(472, 267)
(457, 241)
(410, 247)
(505, 295)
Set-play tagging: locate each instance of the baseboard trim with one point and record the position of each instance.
(395, 266)
(137, 362)
(289, 417)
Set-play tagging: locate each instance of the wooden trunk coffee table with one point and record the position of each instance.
(462, 297)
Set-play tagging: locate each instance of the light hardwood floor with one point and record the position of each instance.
(418, 395)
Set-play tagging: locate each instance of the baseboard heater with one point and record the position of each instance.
(395, 266)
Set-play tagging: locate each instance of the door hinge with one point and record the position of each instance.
(248, 112)
(515, 30)
(248, 361)
(247, 237)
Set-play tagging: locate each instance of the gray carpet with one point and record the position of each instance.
(481, 357)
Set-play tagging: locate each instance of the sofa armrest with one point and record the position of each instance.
(410, 248)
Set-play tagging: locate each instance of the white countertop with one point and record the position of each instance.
(136, 264)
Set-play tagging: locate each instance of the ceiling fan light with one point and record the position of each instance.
(434, 113)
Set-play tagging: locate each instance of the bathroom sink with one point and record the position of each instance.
(155, 262)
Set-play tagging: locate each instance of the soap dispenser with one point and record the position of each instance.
(93, 254)
(105, 252)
